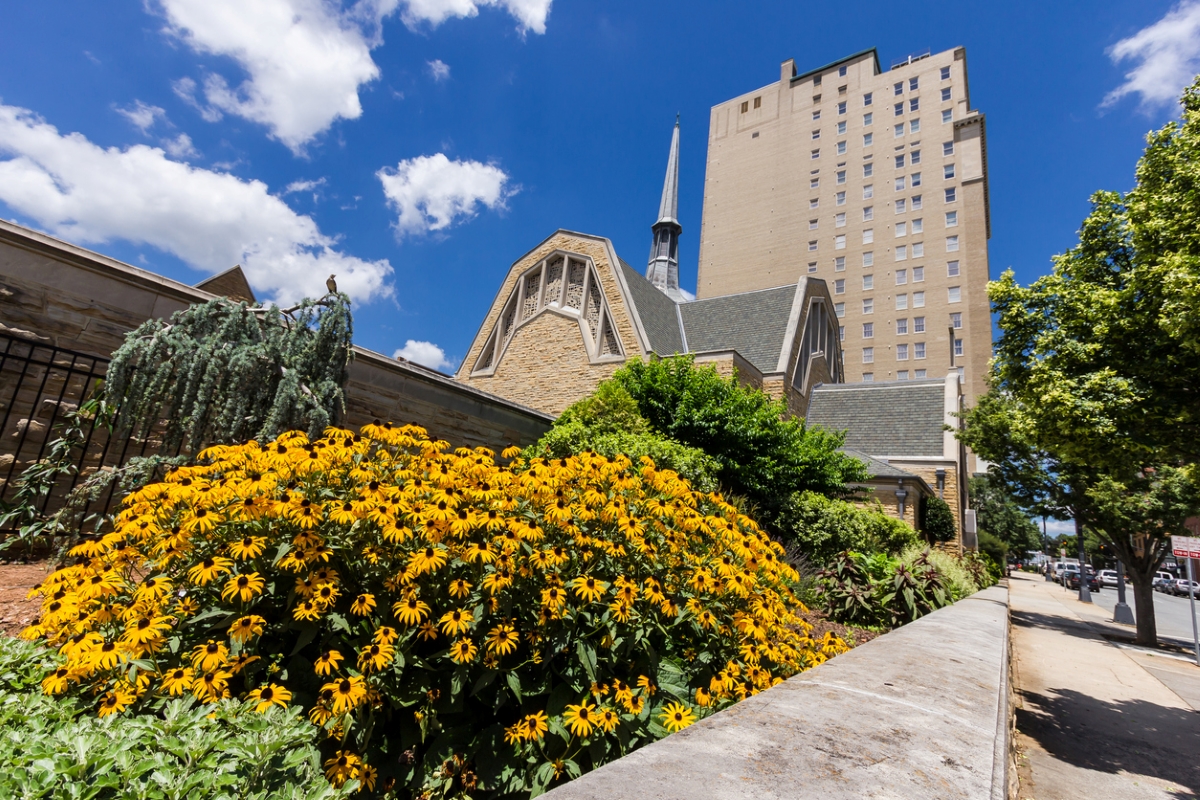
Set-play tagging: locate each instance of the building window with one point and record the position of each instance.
(842, 107)
(817, 114)
(915, 180)
(816, 134)
(948, 171)
(841, 333)
(898, 109)
(900, 161)
(816, 153)
(958, 347)
(902, 352)
(918, 225)
(954, 294)
(945, 73)
(839, 286)
(812, 224)
(918, 247)
(918, 324)
(914, 125)
(951, 219)
(901, 206)
(839, 264)
(868, 236)
(868, 377)
(745, 106)
(918, 350)
(839, 242)
(900, 184)
(947, 116)
(901, 302)
(918, 299)
(817, 81)
(868, 191)
(901, 229)
(841, 146)
(919, 373)
(868, 330)
(951, 195)
(901, 277)
(841, 128)
(812, 266)
(869, 259)
(839, 220)
(867, 99)
(758, 102)
(956, 320)
(841, 176)
(869, 306)
(947, 148)
(868, 213)
(868, 170)
(901, 374)
(912, 84)
(867, 139)
(918, 274)
(915, 157)
(868, 355)
(945, 94)
(914, 105)
(952, 269)
(842, 71)
(814, 203)
(898, 130)
(868, 119)
(951, 244)
(812, 245)
(839, 309)
(916, 202)
(813, 183)
(839, 199)
(902, 326)
(898, 88)
(868, 282)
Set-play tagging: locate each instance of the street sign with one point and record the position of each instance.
(1185, 546)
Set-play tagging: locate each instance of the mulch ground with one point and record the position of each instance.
(16, 612)
(851, 635)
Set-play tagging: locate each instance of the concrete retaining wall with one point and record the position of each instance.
(920, 713)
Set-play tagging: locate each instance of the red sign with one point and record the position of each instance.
(1185, 546)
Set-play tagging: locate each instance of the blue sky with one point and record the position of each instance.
(417, 148)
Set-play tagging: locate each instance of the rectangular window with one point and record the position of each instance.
(945, 94)
(915, 158)
(868, 191)
(812, 266)
(841, 128)
(898, 131)
(868, 170)
(948, 171)
(812, 245)
(901, 206)
(842, 107)
(867, 99)
(954, 294)
(868, 138)
(869, 259)
(951, 219)
(901, 229)
(915, 180)
(951, 244)
(839, 220)
(916, 202)
(918, 299)
(958, 347)
(902, 352)
(868, 377)
(901, 302)
(814, 203)
(745, 106)
(842, 72)
(918, 350)
(839, 199)
(902, 326)
(758, 102)
(912, 84)
(898, 88)
(812, 224)
(901, 374)
(813, 183)
(868, 119)
(841, 176)
(869, 306)
(841, 333)
(817, 81)
(947, 148)
(817, 113)
(947, 116)
(843, 87)
(839, 242)
(914, 125)
(868, 236)
(868, 330)
(919, 373)
(914, 105)
(900, 184)
(900, 161)
(918, 225)
(868, 355)
(952, 269)
(956, 320)
(868, 282)
(839, 264)
(839, 309)
(945, 73)
(841, 147)
(918, 274)
(816, 134)
(839, 286)
(901, 277)
(898, 109)
(868, 213)
(816, 153)
(951, 195)
(918, 324)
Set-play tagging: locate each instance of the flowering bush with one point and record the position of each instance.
(454, 625)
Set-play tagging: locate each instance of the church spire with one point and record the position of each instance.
(663, 268)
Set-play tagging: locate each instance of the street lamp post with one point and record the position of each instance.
(1085, 594)
(1046, 550)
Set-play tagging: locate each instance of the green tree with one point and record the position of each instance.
(822, 527)
(999, 515)
(937, 520)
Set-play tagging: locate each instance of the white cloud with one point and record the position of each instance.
(439, 69)
(431, 193)
(142, 116)
(305, 59)
(425, 353)
(180, 147)
(303, 186)
(210, 220)
(1167, 55)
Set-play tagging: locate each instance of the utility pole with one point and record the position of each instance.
(1085, 594)
(1122, 613)
(1046, 550)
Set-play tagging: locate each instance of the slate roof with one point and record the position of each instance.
(657, 312)
(752, 323)
(883, 419)
(877, 468)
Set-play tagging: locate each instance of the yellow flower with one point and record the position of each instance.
(244, 628)
(703, 697)
(411, 610)
(57, 681)
(307, 610)
(327, 662)
(363, 605)
(534, 726)
(590, 589)
(607, 720)
(269, 695)
(463, 651)
(676, 716)
(211, 686)
(248, 547)
(344, 766)
(325, 594)
(145, 629)
(106, 656)
(581, 719)
(244, 587)
(178, 680)
(115, 702)
(456, 622)
(502, 640)
(209, 656)
(459, 588)
(209, 569)
(427, 559)
(346, 693)
(375, 657)
(386, 635)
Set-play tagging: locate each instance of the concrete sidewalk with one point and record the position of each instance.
(1097, 720)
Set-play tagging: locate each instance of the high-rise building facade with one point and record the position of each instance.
(875, 182)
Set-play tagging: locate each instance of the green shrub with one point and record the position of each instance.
(957, 579)
(993, 547)
(51, 748)
(879, 591)
(821, 527)
(937, 520)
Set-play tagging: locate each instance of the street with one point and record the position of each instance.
(1172, 613)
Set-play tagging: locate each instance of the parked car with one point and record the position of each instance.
(1180, 588)
(1108, 577)
(1065, 571)
(1073, 580)
(1163, 581)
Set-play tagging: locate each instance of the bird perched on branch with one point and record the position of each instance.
(331, 284)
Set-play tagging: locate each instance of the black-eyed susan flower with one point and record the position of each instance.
(386, 635)
(589, 588)
(502, 639)
(363, 605)
(456, 621)
(676, 716)
(57, 681)
(210, 655)
(459, 588)
(177, 681)
(411, 610)
(209, 569)
(211, 686)
(346, 693)
(248, 547)
(343, 766)
(327, 662)
(245, 628)
(580, 719)
(375, 657)
(114, 702)
(307, 610)
(463, 651)
(607, 719)
(269, 695)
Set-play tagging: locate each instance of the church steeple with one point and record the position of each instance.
(663, 268)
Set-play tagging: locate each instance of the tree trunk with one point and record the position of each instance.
(1143, 599)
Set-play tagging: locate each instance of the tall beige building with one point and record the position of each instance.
(875, 182)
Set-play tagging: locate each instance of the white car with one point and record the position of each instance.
(1180, 588)
(1108, 577)
(1163, 581)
